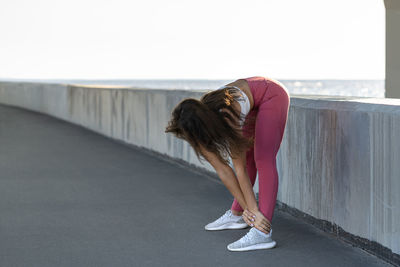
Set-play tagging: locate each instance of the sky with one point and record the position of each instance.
(186, 39)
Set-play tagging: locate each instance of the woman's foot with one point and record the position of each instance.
(254, 239)
(227, 221)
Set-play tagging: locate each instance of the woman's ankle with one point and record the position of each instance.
(237, 213)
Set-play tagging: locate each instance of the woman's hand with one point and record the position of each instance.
(257, 219)
(248, 217)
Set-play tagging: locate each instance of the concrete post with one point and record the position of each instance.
(392, 48)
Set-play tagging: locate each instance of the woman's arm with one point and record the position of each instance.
(252, 214)
(230, 181)
(247, 189)
(227, 176)
(239, 163)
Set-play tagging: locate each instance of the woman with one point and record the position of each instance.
(243, 120)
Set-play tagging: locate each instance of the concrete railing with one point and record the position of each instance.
(339, 160)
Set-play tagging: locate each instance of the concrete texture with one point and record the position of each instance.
(347, 156)
(339, 159)
(72, 197)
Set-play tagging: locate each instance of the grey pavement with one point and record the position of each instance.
(72, 197)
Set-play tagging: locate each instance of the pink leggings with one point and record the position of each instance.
(271, 107)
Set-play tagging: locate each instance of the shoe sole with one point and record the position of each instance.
(228, 226)
(256, 246)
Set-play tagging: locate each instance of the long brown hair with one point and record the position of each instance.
(204, 123)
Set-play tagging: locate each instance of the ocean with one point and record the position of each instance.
(360, 88)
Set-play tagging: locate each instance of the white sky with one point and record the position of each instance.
(211, 39)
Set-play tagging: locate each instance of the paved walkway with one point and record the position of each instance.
(72, 197)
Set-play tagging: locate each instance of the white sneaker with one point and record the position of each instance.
(253, 240)
(227, 221)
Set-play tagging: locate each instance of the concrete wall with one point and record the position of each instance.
(339, 160)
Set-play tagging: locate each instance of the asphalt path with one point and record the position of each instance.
(73, 197)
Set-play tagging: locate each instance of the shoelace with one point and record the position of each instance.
(246, 237)
(227, 214)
